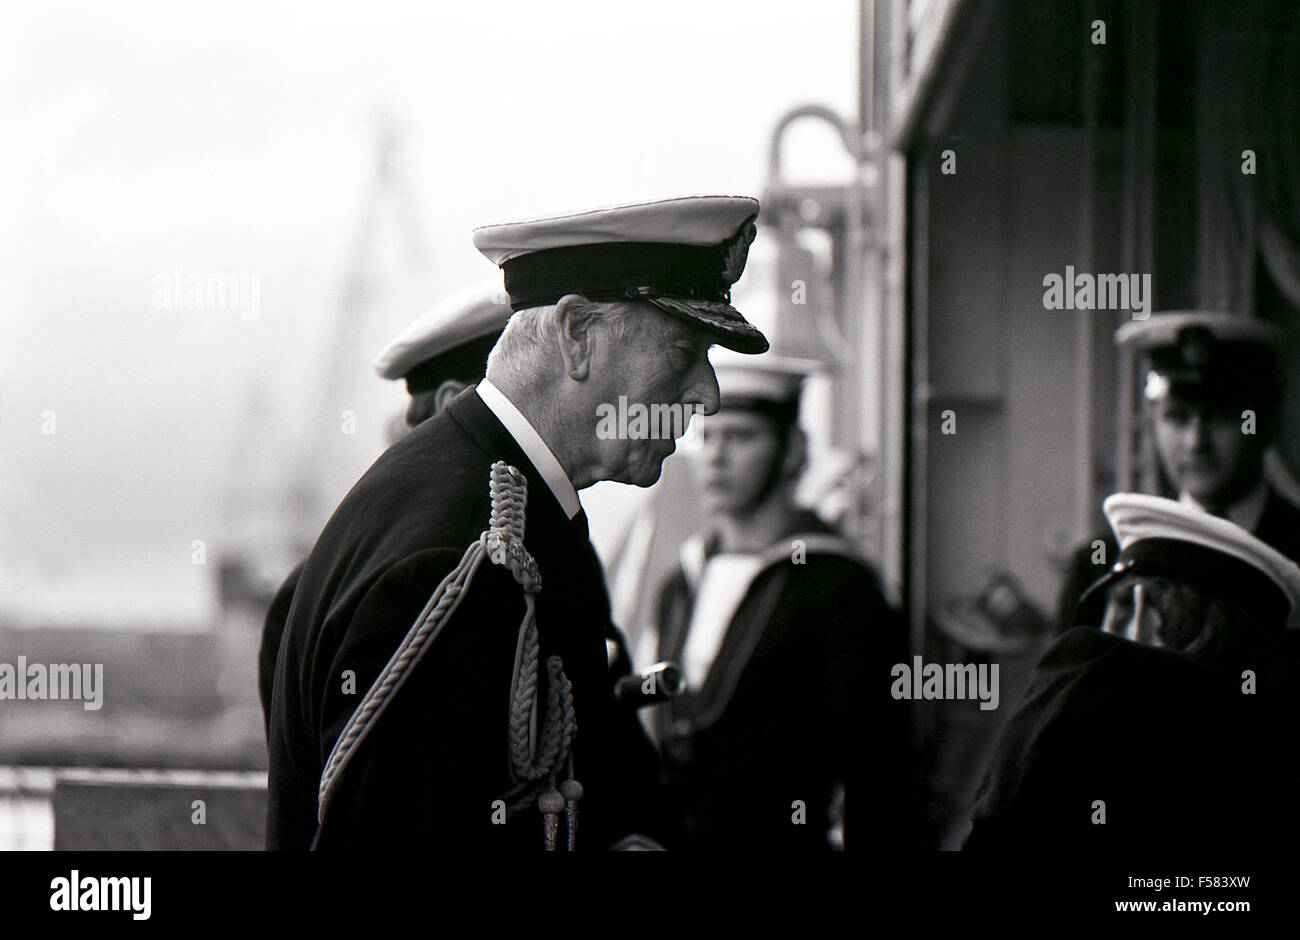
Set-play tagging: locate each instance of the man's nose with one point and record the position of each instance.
(705, 394)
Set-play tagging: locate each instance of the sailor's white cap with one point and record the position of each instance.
(769, 377)
(1165, 329)
(1223, 358)
(463, 325)
(1165, 537)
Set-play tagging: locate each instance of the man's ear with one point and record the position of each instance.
(572, 321)
(448, 390)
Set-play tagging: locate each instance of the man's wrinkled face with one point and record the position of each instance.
(662, 370)
(739, 459)
(1205, 451)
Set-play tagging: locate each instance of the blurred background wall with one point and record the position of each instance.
(169, 451)
(1102, 136)
(215, 217)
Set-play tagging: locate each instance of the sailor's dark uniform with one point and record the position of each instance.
(1178, 757)
(1188, 744)
(795, 703)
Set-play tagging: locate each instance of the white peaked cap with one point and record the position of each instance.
(680, 255)
(471, 313)
(765, 378)
(1137, 518)
(1163, 328)
(686, 220)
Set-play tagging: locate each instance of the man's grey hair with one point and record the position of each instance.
(530, 334)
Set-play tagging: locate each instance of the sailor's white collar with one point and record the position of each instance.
(534, 448)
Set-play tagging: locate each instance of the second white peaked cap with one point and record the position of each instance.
(476, 312)
(1138, 518)
(680, 255)
(1164, 329)
(764, 378)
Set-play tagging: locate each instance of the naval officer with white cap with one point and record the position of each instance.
(1173, 728)
(1212, 390)
(443, 681)
(440, 354)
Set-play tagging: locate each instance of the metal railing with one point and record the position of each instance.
(27, 795)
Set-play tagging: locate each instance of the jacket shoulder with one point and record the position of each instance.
(429, 490)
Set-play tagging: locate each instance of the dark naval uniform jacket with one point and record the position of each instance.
(1181, 759)
(432, 768)
(1278, 527)
(272, 631)
(277, 614)
(795, 703)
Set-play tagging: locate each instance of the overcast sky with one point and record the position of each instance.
(150, 141)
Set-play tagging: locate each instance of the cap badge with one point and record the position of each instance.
(738, 252)
(1157, 388)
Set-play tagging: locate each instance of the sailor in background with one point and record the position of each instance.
(786, 737)
(439, 355)
(443, 682)
(1173, 728)
(1213, 393)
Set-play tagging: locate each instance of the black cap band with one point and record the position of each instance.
(626, 269)
(1207, 569)
(782, 412)
(465, 363)
(1197, 365)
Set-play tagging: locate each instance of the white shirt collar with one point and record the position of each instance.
(534, 448)
(1246, 512)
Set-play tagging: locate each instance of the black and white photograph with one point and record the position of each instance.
(437, 433)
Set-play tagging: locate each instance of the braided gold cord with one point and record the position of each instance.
(530, 758)
(502, 544)
(446, 598)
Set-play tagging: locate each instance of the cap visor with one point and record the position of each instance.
(723, 322)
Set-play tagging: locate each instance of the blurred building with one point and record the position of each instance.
(1000, 143)
(1097, 136)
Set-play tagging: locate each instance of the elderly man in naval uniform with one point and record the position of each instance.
(443, 680)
